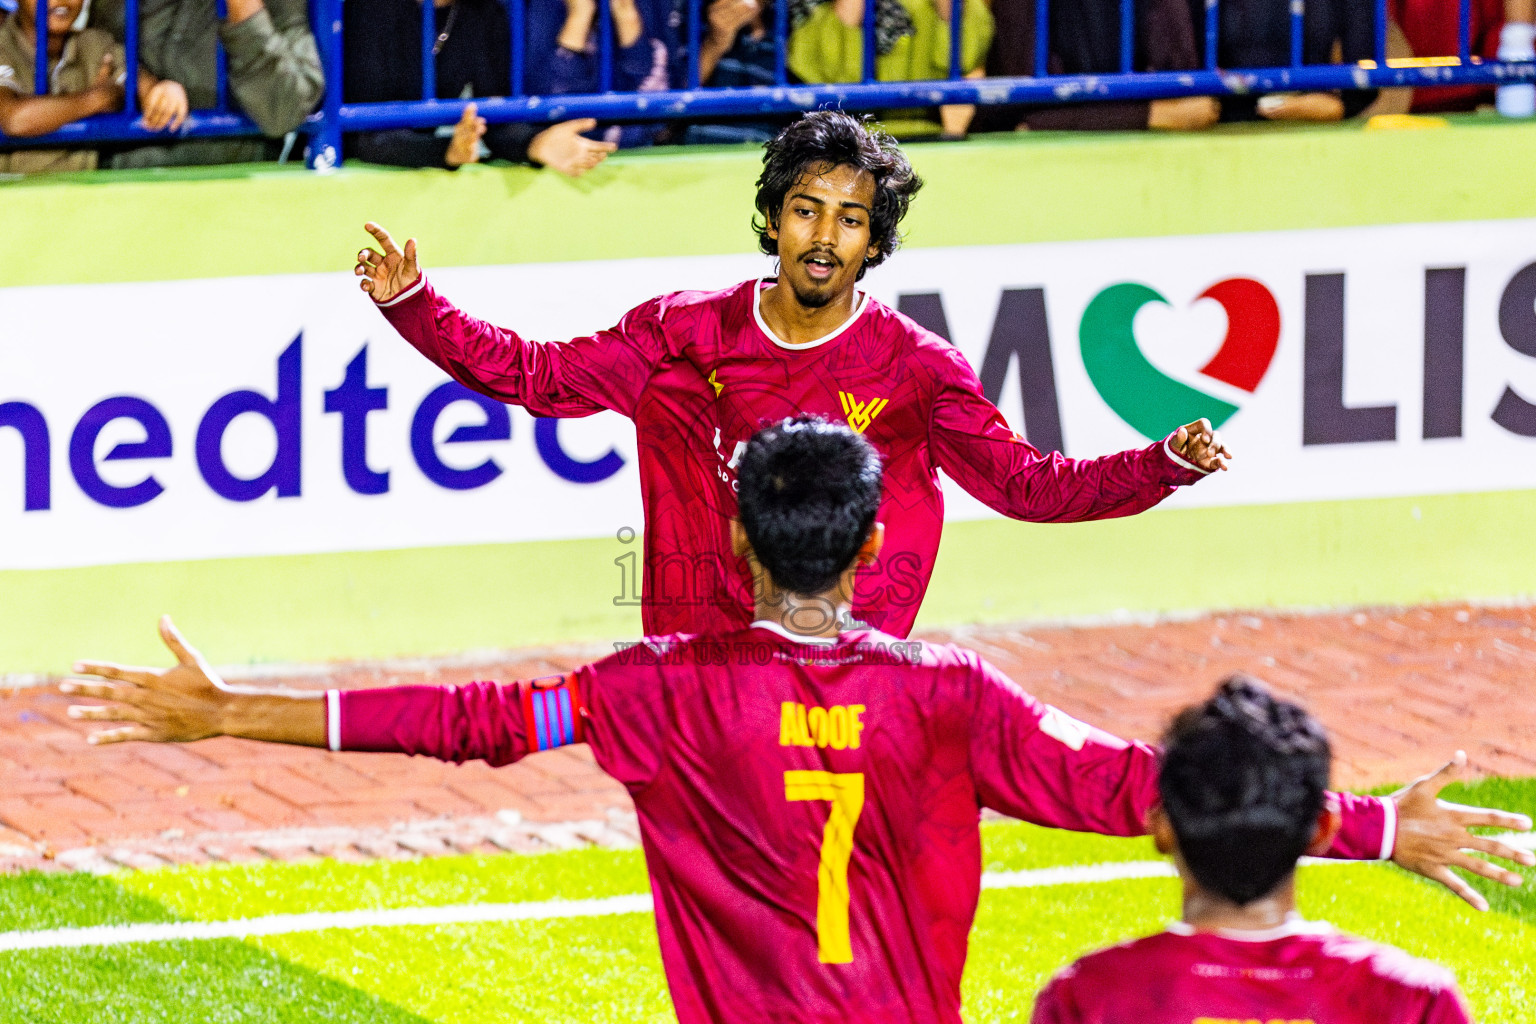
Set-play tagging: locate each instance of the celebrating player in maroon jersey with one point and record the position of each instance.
(700, 372)
(1242, 787)
(808, 796)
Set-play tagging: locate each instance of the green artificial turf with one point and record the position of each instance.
(179, 983)
(607, 969)
(222, 892)
(604, 970)
(35, 901)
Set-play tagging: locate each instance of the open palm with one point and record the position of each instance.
(178, 704)
(386, 274)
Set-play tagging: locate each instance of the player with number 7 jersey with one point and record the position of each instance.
(808, 806)
(808, 796)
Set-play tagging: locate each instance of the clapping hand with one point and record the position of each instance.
(1200, 444)
(465, 145)
(564, 148)
(387, 274)
(105, 86)
(165, 106)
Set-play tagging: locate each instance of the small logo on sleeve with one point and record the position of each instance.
(1063, 728)
(553, 712)
(861, 414)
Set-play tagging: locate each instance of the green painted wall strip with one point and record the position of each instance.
(441, 600)
(1388, 551)
(671, 202)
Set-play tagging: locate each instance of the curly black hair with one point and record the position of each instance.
(1243, 780)
(831, 138)
(808, 491)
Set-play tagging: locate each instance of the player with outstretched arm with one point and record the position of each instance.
(1242, 786)
(700, 372)
(808, 795)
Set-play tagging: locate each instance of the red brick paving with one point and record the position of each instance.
(1400, 690)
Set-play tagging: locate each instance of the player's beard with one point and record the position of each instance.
(813, 294)
(812, 299)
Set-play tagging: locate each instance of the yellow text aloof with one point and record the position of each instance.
(837, 727)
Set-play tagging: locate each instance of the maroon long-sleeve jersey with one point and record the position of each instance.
(809, 812)
(700, 372)
(1300, 973)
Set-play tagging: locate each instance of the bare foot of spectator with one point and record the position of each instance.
(627, 23)
(465, 146)
(578, 24)
(564, 149)
(1185, 114)
(1302, 106)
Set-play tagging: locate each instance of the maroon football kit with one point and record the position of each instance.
(700, 372)
(809, 811)
(1300, 973)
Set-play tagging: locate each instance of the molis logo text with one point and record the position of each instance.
(1151, 401)
(1155, 397)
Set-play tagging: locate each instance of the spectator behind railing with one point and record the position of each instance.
(471, 58)
(1433, 29)
(274, 70)
(1085, 40)
(565, 51)
(1257, 34)
(737, 52)
(86, 76)
(826, 44)
(1517, 41)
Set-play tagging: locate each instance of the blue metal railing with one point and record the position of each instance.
(326, 126)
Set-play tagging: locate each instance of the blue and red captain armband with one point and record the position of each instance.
(553, 712)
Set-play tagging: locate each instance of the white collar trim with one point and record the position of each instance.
(1295, 924)
(798, 638)
(757, 314)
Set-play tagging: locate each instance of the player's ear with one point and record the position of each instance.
(773, 223)
(740, 546)
(1161, 830)
(870, 549)
(1329, 821)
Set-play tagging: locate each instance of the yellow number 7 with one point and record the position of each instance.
(846, 792)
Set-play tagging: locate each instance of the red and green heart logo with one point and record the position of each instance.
(1151, 401)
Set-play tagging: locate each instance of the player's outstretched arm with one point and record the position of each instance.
(188, 701)
(579, 377)
(972, 442)
(386, 274)
(1433, 836)
(1033, 762)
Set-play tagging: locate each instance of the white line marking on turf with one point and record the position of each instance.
(282, 924)
(473, 913)
(480, 913)
(1077, 874)
(1523, 841)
